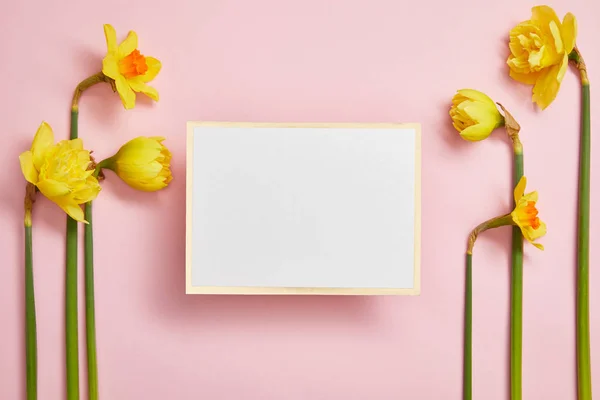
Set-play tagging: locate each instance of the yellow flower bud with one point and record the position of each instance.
(540, 50)
(143, 163)
(60, 171)
(474, 115)
(525, 214)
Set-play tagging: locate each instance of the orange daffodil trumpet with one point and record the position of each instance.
(130, 70)
(525, 214)
(474, 115)
(60, 171)
(540, 49)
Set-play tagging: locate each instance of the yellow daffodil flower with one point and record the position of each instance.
(474, 115)
(540, 50)
(143, 163)
(60, 171)
(525, 214)
(130, 70)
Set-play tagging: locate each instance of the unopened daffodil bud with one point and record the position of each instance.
(474, 115)
(60, 171)
(540, 49)
(143, 163)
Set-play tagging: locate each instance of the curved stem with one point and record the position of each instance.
(90, 314)
(516, 299)
(83, 85)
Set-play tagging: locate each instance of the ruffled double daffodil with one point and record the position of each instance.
(130, 70)
(474, 115)
(539, 52)
(60, 171)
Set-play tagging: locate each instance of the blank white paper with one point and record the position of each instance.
(303, 207)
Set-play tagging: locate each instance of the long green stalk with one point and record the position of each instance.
(71, 335)
(516, 300)
(30, 319)
(90, 315)
(584, 368)
(468, 331)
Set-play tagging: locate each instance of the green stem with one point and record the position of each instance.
(71, 336)
(30, 320)
(468, 331)
(516, 303)
(90, 315)
(584, 374)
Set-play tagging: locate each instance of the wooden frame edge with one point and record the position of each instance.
(227, 290)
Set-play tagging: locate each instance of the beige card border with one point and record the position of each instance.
(190, 289)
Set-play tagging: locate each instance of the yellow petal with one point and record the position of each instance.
(533, 196)
(125, 92)
(569, 32)
(128, 45)
(44, 138)
(154, 67)
(477, 95)
(51, 188)
(139, 86)
(558, 43)
(475, 133)
(544, 15)
(538, 245)
(528, 79)
(87, 193)
(75, 144)
(520, 189)
(546, 87)
(27, 167)
(110, 66)
(73, 210)
(111, 38)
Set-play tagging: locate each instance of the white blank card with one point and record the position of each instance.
(277, 208)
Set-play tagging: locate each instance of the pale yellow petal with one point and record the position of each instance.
(75, 144)
(137, 85)
(154, 67)
(111, 38)
(520, 189)
(544, 15)
(475, 133)
(52, 188)
(27, 167)
(73, 210)
(538, 245)
(569, 32)
(477, 95)
(558, 42)
(44, 139)
(546, 87)
(110, 66)
(125, 92)
(128, 45)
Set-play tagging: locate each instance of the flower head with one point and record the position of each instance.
(525, 214)
(540, 50)
(130, 70)
(474, 115)
(60, 171)
(143, 163)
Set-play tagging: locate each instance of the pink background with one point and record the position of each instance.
(309, 60)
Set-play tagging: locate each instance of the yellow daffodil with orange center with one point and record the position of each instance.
(474, 115)
(144, 163)
(130, 70)
(540, 50)
(525, 214)
(60, 171)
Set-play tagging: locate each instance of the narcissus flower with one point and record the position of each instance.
(60, 171)
(130, 70)
(474, 115)
(143, 163)
(525, 214)
(540, 50)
